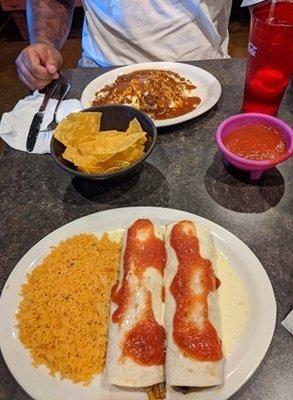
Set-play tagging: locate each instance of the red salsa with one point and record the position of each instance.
(143, 249)
(197, 338)
(256, 142)
(145, 342)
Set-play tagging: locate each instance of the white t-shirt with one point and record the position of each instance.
(121, 32)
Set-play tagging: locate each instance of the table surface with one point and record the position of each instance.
(184, 172)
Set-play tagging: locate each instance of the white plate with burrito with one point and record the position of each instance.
(169, 92)
(245, 340)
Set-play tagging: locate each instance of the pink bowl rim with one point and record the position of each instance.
(255, 163)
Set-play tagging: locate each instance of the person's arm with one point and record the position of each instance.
(49, 21)
(48, 24)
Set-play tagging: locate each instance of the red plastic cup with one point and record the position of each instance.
(270, 57)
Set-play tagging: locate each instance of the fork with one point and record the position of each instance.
(65, 87)
(48, 131)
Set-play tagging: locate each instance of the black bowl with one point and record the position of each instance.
(113, 117)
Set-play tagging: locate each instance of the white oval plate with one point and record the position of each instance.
(245, 357)
(208, 87)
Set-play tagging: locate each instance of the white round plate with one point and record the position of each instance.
(245, 357)
(208, 87)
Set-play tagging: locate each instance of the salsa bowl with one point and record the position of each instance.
(254, 167)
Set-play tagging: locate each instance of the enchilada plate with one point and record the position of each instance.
(208, 88)
(245, 357)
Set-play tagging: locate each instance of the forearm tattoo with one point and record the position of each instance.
(49, 21)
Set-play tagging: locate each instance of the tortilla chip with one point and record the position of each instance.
(134, 126)
(94, 151)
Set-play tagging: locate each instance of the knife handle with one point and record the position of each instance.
(50, 90)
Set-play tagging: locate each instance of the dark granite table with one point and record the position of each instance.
(185, 172)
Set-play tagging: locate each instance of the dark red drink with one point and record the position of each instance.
(270, 57)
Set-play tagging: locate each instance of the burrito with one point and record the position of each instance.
(194, 356)
(136, 336)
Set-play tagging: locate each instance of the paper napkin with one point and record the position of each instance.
(14, 126)
(288, 322)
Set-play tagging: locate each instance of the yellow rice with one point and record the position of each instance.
(63, 316)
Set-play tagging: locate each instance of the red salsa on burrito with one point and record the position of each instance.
(145, 341)
(145, 253)
(196, 339)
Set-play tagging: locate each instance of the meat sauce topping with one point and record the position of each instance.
(192, 331)
(143, 249)
(161, 94)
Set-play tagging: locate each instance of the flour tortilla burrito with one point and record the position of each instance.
(136, 336)
(194, 350)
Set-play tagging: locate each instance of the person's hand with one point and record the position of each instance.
(37, 65)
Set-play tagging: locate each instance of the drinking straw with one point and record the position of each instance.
(272, 10)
